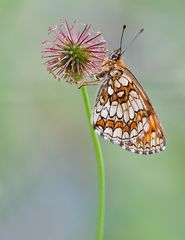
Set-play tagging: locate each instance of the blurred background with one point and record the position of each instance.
(48, 171)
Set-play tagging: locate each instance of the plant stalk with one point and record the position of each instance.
(100, 165)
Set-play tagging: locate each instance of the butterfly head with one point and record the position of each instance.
(115, 55)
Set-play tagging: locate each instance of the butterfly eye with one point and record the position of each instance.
(116, 54)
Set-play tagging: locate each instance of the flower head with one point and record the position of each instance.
(73, 55)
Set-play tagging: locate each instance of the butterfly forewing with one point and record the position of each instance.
(124, 115)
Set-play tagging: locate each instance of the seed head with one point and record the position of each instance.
(73, 55)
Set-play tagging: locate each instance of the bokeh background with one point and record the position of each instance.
(48, 172)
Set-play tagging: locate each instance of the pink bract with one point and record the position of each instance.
(73, 55)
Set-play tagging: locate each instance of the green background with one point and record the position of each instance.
(48, 172)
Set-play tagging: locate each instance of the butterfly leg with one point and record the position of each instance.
(85, 83)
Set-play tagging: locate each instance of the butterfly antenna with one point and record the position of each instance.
(121, 39)
(132, 40)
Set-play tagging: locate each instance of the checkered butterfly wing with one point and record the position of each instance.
(124, 115)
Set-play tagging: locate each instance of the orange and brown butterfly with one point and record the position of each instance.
(123, 112)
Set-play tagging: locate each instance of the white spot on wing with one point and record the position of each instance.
(157, 147)
(123, 81)
(110, 90)
(126, 116)
(147, 145)
(121, 93)
(108, 131)
(144, 120)
(117, 133)
(119, 111)
(139, 103)
(153, 135)
(98, 107)
(146, 126)
(140, 127)
(125, 135)
(95, 116)
(134, 105)
(157, 141)
(133, 133)
(99, 130)
(104, 112)
(124, 106)
(117, 84)
(113, 108)
(153, 142)
(133, 94)
(131, 112)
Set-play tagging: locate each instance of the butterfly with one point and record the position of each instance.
(123, 112)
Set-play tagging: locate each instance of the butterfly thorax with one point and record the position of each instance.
(119, 63)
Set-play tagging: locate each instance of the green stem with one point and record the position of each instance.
(100, 164)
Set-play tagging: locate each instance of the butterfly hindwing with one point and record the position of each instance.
(153, 140)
